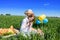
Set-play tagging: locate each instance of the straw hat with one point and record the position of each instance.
(28, 12)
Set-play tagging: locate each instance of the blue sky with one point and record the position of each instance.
(17, 7)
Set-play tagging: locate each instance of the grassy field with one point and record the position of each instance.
(51, 29)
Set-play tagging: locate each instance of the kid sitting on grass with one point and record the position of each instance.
(26, 27)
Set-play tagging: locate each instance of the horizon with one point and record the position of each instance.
(25, 15)
(18, 7)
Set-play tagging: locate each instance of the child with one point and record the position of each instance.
(26, 27)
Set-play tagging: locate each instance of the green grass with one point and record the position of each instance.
(51, 29)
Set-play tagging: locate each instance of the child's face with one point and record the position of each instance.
(31, 18)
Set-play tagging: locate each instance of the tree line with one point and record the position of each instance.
(6, 14)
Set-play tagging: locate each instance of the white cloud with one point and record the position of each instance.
(46, 4)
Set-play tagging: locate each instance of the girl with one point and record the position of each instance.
(26, 27)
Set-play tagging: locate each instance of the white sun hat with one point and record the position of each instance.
(28, 12)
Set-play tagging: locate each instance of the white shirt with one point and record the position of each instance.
(25, 25)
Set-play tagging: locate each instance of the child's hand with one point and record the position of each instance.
(29, 23)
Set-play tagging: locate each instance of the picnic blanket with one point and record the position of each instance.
(8, 32)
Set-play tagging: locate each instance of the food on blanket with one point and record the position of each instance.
(7, 31)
